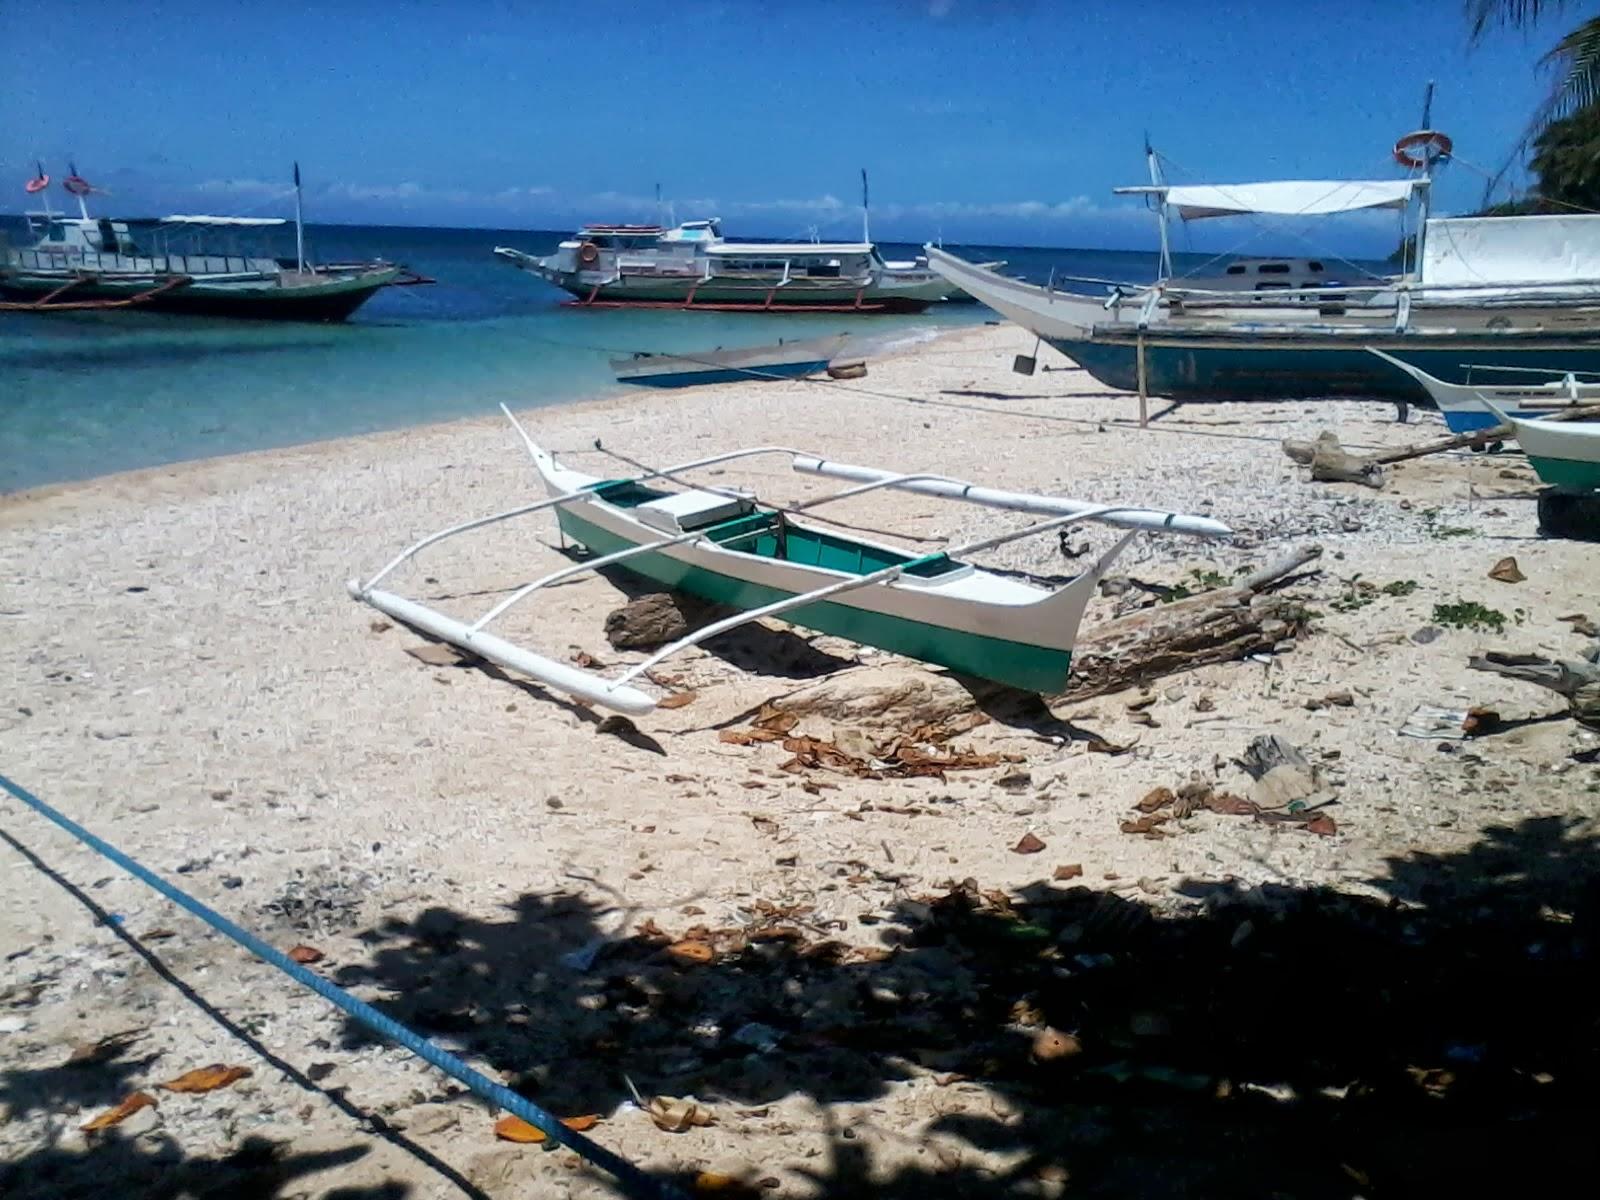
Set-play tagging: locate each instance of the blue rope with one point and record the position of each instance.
(633, 1180)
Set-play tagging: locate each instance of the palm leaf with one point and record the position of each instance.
(1484, 15)
(1577, 58)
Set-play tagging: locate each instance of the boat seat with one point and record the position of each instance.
(685, 511)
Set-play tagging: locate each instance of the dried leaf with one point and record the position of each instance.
(1069, 871)
(205, 1079)
(305, 955)
(1148, 826)
(115, 1116)
(1507, 571)
(1321, 824)
(677, 700)
(676, 1115)
(690, 951)
(1230, 805)
(586, 660)
(515, 1129)
(1155, 799)
(713, 1183)
(1028, 845)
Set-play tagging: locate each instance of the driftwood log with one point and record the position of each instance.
(1331, 463)
(1577, 680)
(1213, 627)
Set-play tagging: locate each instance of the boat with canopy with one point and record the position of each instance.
(1496, 291)
(728, 546)
(185, 263)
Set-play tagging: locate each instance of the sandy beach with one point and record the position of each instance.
(192, 682)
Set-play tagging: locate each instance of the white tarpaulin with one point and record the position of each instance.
(198, 220)
(1462, 251)
(1289, 198)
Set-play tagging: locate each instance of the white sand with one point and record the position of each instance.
(241, 717)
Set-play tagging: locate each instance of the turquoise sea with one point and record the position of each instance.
(86, 394)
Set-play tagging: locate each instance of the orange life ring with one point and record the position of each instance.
(37, 185)
(1436, 145)
(588, 254)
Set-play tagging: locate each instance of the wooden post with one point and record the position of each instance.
(1144, 393)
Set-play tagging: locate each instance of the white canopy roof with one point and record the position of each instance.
(788, 249)
(201, 220)
(1287, 198)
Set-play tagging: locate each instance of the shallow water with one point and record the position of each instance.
(87, 394)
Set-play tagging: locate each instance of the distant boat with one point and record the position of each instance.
(1498, 291)
(174, 265)
(1467, 406)
(785, 360)
(693, 266)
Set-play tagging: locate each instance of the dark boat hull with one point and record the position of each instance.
(322, 302)
(1301, 367)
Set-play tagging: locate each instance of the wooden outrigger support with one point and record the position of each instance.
(616, 693)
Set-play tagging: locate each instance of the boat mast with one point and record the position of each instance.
(299, 226)
(72, 173)
(44, 192)
(865, 236)
(1154, 164)
(1424, 203)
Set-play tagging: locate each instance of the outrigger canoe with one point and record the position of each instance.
(1565, 454)
(725, 546)
(784, 360)
(1466, 407)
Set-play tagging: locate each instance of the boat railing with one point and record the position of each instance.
(141, 264)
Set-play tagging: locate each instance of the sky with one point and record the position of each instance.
(995, 121)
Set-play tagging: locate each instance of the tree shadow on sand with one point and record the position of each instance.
(154, 1167)
(1269, 1041)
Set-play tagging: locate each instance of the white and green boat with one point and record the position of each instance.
(1565, 454)
(725, 546)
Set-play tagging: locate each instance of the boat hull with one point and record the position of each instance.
(323, 301)
(1564, 454)
(682, 379)
(1024, 665)
(1304, 367)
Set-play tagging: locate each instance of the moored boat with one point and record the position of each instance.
(1565, 454)
(173, 265)
(1493, 291)
(784, 360)
(693, 266)
(1467, 406)
(724, 545)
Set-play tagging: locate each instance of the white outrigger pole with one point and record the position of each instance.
(299, 226)
(616, 693)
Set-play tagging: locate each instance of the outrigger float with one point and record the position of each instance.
(725, 546)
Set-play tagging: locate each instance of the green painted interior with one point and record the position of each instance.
(1019, 664)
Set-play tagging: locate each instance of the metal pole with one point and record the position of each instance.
(299, 226)
(1154, 164)
(865, 234)
(1144, 395)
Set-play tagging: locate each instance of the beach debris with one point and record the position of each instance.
(673, 1114)
(1281, 772)
(677, 699)
(206, 1079)
(1469, 614)
(1342, 698)
(129, 1105)
(1220, 625)
(1432, 722)
(923, 752)
(380, 625)
(1051, 1045)
(305, 955)
(89, 1054)
(515, 1129)
(692, 951)
(1581, 625)
(1332, 463)
(657, 618)
(1506, 571)
(1578, 680)
(885, 697)
(1028, 845)
(322, 900)
(1067, 871)
(582, 658)
(852, 369)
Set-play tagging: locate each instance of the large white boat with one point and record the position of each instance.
(693, 266)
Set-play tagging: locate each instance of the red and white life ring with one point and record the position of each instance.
(588, 254)
(1433, 145)
(37, 184)
(77, 185)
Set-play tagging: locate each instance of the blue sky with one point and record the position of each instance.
(1005, 121)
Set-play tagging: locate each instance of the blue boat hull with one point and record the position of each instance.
(679, 379)
(1290, 368)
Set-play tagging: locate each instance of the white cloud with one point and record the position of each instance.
(244, 187)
